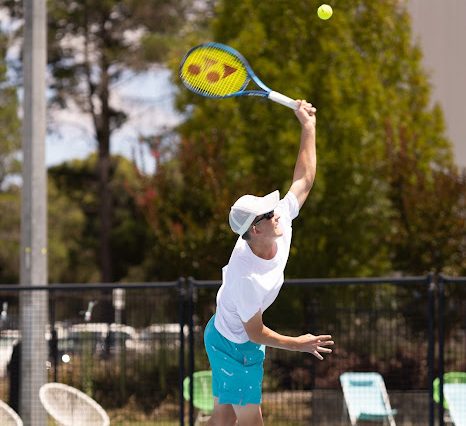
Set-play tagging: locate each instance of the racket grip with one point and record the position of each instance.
(283, 100)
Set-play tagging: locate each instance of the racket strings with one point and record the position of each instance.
(210, 71)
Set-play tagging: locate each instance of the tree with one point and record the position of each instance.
(9, 166)
(364, 75)
(10, 140)
(73, 224)
(184, 199)
(73, 229)
(91, 44)
(9, 235)
(69, 258)
(429, 218)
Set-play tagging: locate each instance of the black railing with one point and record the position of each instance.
(410, 329)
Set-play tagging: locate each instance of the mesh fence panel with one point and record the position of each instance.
(129, 367)
(450, 383)
(455, 326)
(379, 327)
(130, 360)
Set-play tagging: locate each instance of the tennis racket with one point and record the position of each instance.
(215, 70)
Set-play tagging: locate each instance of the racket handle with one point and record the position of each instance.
(283, 100)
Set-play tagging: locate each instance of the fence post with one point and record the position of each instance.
(53, 337)
(181, 319)
(441, 344)
(191, 296)
(33, 258)
(431, 346)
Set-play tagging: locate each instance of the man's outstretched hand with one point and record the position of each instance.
(315, 344)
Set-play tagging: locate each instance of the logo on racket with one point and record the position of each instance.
(214, 71)
(212, 75)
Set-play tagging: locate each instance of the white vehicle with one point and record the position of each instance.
(101, 336)
(8, 339)
(161, 335)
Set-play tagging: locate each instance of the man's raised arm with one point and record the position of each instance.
(306, 163)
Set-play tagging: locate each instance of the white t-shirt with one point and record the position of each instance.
(250, 283)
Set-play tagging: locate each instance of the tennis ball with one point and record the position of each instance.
(324, 12)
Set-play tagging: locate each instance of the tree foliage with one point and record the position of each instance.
(90, 45)
(73, 204)
(436, 239)
(382, 153)
(9, 235)
(364, 75)
(10, 143)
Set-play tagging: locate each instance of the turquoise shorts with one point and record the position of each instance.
(237, 368)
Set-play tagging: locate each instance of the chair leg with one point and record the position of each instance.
(343, 411)
(345, 414)
(391, 420)
(201, 418)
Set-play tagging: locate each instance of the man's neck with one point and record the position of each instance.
(264, 249)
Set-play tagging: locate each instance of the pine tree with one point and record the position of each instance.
(10, 143)
(90, 45)
(10, 139)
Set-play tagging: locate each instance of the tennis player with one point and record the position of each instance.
(235, 337)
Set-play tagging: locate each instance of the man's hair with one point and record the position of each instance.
(246, 236)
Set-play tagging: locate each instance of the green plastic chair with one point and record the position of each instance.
(448, 378)
(203, 399)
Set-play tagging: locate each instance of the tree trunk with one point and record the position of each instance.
(104, 172)
(104, 311)
(105, 211)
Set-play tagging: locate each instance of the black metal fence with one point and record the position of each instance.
(131, 366)
(410, 330)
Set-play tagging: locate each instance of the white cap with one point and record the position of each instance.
(248, 207)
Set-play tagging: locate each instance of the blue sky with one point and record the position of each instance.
(147, 98)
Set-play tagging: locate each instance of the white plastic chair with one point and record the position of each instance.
(455, 395)
(8, 416)
(366, 397)
(71, 407)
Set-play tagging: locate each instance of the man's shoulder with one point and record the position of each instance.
(240, 260)
(289, 205)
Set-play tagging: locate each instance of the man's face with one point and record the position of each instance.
(268, 225)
